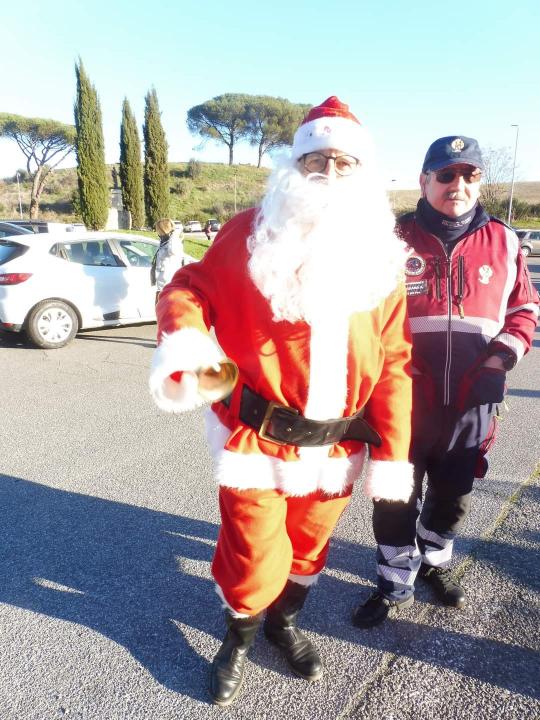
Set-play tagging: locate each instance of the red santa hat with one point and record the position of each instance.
(331, 125)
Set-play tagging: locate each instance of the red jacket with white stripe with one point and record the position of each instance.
(464, 305)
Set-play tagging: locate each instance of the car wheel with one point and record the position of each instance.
(526, 250)
(52, 324)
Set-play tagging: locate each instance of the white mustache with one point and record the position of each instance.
(455, 196)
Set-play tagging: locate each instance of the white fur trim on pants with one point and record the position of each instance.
(313, 471)
(305, 580)
(389, 480)
(187, 349)
(226, 605)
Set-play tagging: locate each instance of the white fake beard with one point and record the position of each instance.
(323, 249)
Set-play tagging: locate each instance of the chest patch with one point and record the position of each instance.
(485, 272)
(414, 265)
(420, 287)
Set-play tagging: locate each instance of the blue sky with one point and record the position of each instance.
(410, 71)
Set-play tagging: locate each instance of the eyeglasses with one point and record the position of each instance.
(445, 177)
(315, 162)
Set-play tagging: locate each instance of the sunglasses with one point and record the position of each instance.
(445, 177)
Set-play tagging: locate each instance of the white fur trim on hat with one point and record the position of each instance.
(187, 349)
(389, 480)
(337, 133)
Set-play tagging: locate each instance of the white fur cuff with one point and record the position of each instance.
(185, 350)
(389, 480)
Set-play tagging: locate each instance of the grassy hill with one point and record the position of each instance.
(198, 191)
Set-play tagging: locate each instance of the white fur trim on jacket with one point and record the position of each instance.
(296, 477)
(389, 480)
(187, 349)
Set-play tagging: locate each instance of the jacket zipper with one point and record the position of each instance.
(459, 298)
(447, 363)
(438, 278)
(461, 283)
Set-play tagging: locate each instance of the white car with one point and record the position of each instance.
(52, 285)
(193, 226)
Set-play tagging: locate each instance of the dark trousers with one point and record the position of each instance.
(445, 451)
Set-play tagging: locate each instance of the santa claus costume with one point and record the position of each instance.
(313, 315)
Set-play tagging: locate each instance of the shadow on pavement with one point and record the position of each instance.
(111, 567)
(517, 392)
(133, 575)
(15, 340)
(118, 339)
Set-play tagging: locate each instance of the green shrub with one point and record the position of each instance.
(194, 169)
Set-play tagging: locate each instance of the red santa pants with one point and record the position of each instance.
(266, 535)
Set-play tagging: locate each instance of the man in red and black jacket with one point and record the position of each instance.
(472, 311)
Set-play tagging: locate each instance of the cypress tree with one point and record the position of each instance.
(156, 171)
(131, 175)
(90, 149)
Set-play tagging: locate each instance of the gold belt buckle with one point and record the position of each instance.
(267, 416)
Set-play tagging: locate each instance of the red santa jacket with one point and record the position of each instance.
(463, 306)
(342, 365)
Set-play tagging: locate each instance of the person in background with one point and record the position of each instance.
(170, 254)
(473, 311)
(208, 230)
(312, 313)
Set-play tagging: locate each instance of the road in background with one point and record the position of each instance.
(109, 519)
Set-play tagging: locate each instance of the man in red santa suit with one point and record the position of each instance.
(305, 295)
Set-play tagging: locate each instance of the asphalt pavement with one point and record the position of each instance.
(109, 520)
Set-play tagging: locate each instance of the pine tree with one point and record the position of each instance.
(90, 149)
(156, 172)
(131, 174)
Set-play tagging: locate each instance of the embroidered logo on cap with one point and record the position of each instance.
(457, 145)
(415, 265)
(485, 274)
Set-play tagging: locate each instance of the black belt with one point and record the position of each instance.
(285, 426)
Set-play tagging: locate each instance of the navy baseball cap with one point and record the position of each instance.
(452, 150)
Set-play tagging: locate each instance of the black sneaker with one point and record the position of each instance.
(447, 590)
(377, 608)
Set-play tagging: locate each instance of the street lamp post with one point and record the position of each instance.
(393, 180)
(513, 173)
(19, 191)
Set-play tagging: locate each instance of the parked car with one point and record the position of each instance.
(178, 225)
(193, 226)
(529, 241)
(52, 286)
(7, 229)
(44, 226)
(214, 225)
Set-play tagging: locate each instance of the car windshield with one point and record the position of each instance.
(10, 250)
(521, 234)
(138, 254)
(7, 229)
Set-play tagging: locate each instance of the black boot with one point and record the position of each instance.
(228, 665)
(446, 588)
(280, 628)
(377, 608)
